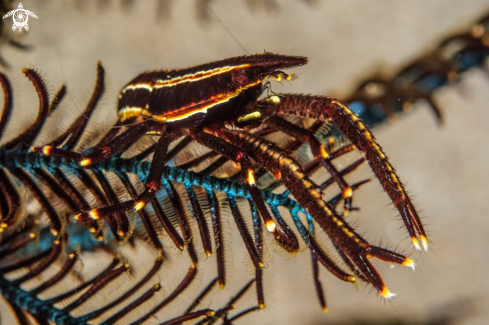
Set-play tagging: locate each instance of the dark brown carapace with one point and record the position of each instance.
(217, 104)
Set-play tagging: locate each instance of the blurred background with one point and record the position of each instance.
(445, 168)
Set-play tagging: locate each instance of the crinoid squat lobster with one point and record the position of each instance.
(217, 104)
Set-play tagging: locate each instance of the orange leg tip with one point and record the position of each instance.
(92, 230)
(3, 225)
(323, 152)
(387, 294)
(270, 226)
(260, 265)
(424, 242)
(94, 214)
(208, 253)
(262, 306)
(251, 177)
(409, 263)
(221, 286)
(211, 313)
(37, 149)
(46, 150)
(325, 310)
(54, 232)
(121, 233)
(85, 162)
(77, 217)
(348, 192)
(416, 243)
(32, 235)
(139, 205)
(351, 279)
(100, 238)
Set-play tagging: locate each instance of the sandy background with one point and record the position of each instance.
(446, 168)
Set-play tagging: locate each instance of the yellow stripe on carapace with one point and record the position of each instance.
(140, 85)
(128, 112)
(221, 98)
(196, 76)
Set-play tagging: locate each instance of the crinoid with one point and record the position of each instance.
(216, 106)
(59, 181)
(376, 98)
(41, 268)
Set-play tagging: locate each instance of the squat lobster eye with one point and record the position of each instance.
(240, 78)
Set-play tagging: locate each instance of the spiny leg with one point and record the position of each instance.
(354, 248)
(285, 238)
(319, 153)
(324, 108)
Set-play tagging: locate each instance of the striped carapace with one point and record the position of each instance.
(203, 102)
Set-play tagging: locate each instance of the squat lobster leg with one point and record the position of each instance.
(353, 247)
(285, 237)
(325, 108)
(320, 154)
